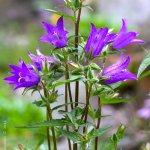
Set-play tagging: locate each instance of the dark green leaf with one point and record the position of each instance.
(39, 103)
(144, 64)
(106, 99)
(145, 75)
(61, 14)
(97, 132)
(74, 136)
(51, 123)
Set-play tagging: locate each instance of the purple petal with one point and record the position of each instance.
(138, 41)
(60, 24)
(121, 76)
(98, 42)
(45, 38)
(119, 65)
(48, 27)
(90, 38)
(11, 79)
(124, 26)
(124, 40)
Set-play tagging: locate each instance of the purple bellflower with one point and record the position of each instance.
(56, 35)
(118, 72)
(144, 112)
(22, 76)
(125, 38)
(97, 39)
(41, 59)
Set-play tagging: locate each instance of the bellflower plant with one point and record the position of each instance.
(47, 74)
(125, 38)
(56, 35)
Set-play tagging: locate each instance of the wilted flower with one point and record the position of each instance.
(144, 112)
(22, 76)
(41, 59)
(97, 39)
(118, 72)
(56, 35)
(125, 38)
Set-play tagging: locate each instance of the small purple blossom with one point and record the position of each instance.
(22, 76)
(56, 35)
(97, 39)
(118, 72)
(125, 38)
(41, 59)
(144, 112)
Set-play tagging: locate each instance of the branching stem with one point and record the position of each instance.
(98, 123)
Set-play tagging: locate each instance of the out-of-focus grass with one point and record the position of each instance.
(17, 111)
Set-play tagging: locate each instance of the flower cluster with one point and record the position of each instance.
(101, 37)
(25, 75)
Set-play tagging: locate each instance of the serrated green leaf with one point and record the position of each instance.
(97, 132)
(144, 64)
(74, 136)
(61, 14)
(40, 103)
(105, 99)
(115, 100)
(111, 143)
(51, 123)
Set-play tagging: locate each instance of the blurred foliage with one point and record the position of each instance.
(15, 110)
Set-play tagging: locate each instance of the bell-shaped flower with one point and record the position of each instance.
(56, 35)
(97, 39)
(125, 38)
(41, 59)
(118, 72)
(22, 76)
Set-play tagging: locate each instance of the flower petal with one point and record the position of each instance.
(121, 76)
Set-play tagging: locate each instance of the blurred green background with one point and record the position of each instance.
(20, 28)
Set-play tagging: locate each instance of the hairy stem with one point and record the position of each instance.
(48, 135)
(53, 130)
(49, 116)
(88, 91)
(75, 146)
(98, 123)
(67, 88)
(76, 57)
(66, 109)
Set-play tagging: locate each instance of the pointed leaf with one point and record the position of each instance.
(51, 123)
(74, 136)
(61, 14)
(144, 64)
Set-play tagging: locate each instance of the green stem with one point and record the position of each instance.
(67, 87)
(53, 130)
(87, 104)
(76, 57)
(48, 135)
(46, 94)
(75, 146)
(98, 123)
